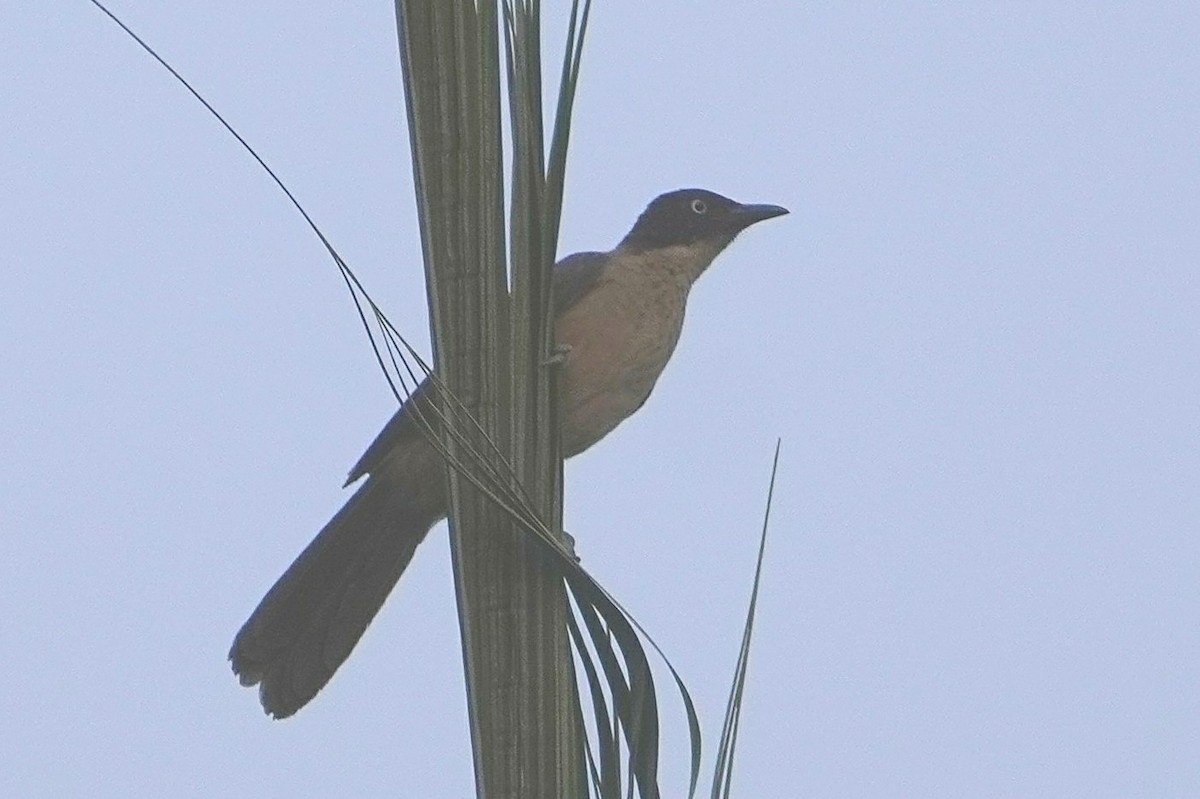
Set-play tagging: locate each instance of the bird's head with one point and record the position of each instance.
(694, 218)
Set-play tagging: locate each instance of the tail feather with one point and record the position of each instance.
(309, 622)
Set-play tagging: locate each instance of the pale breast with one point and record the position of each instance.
(621, 336)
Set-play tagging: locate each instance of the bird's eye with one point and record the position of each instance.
(699, 206)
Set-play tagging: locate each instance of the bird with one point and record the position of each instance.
(617, 318)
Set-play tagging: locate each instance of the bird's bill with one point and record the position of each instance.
(749, 214)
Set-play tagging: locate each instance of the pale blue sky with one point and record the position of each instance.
(976, 334)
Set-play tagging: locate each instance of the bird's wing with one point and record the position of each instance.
(574, 277)
(399, 427)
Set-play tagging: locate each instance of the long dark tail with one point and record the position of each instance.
(310, 620)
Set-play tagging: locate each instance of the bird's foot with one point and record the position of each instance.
(559, 355)
(568, 541)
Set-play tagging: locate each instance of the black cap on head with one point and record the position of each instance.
(687, 216)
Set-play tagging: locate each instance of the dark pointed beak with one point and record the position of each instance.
(747, 215)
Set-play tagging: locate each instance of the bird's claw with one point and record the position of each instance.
(568, 542)
(558, 356)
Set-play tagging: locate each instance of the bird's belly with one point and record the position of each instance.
(618, 351)
(595, 404)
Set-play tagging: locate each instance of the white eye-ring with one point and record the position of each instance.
(699, 206)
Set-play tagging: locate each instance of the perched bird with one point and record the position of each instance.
(618, 317)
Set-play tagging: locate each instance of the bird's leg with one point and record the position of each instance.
(557, 358)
